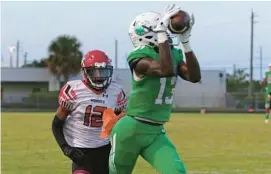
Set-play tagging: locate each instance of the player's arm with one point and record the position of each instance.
(57, 126)
(162, 68)
(189, 71)
(66, 106)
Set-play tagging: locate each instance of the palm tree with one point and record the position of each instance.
(64, 56)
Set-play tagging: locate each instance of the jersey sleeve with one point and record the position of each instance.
(121, 101)
(67, 97)
(138, 53)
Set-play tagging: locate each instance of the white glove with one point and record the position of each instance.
(162, 25)
(184, 38)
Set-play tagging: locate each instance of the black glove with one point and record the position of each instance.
(74, 154)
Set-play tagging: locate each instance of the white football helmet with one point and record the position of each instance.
(141, 30)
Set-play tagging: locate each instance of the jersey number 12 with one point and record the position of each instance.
(93, 116)
(165, 99)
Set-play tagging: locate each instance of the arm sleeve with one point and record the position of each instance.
(57, 129)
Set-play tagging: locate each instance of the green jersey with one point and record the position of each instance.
(268, 78)
(152, 97)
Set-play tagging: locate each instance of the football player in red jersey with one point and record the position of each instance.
(77, 124)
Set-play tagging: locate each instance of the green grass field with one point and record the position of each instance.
(208, 144)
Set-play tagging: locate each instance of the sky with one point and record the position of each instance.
(220, 36)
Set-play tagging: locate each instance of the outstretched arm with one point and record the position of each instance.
(192, 72)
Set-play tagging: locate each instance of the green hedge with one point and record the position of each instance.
(42, 96)
(42, 99)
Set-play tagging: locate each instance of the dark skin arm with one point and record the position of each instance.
(190, 70)
(162, 68)
(62, 113)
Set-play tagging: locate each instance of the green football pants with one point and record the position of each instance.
(267, 101)
(131, 138)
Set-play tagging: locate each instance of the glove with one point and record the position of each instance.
(163, 23)
(74, 154)
(184, 38)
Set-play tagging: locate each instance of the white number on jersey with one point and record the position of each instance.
(160, 97)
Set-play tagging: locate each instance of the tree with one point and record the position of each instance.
(237, 82)
(64, 56)
(36, 64)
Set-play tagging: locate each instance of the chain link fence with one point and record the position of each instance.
(238, 101)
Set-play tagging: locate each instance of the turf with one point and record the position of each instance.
(208, 144)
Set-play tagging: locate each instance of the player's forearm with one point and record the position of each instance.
(57, 129)
(193, 67)
(165, 57)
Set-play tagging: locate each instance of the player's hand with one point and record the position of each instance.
(74, 154)
(163, 23)
(184, 38)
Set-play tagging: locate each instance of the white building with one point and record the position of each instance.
(18, 83)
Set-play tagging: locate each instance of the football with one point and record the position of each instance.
(179, 23)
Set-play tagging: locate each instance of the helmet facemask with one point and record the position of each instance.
(99, 78)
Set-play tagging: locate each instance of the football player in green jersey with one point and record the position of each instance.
(267, 84)
(155, 64)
